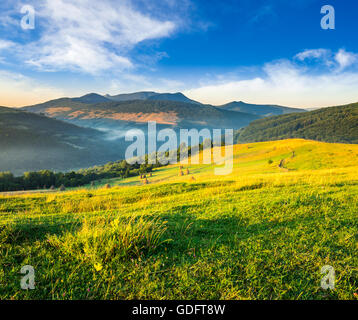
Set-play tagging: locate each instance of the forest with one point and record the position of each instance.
(46, 179)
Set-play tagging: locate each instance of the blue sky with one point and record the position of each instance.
(259, 51)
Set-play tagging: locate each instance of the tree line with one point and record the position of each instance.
(46, 179)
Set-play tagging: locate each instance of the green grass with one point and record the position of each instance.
(260, 233)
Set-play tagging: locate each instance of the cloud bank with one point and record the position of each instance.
(295, 83)
(89, 36)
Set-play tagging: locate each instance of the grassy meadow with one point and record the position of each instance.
(264, 232)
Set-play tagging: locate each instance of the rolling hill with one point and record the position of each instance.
(263, 232)
(334, 124)
(261, 110)
(34, 142)
(136, 113)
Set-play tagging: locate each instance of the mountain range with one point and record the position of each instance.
(114, 115)
(72, 133)
(124, 111)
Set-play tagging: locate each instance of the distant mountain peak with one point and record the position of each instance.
(178, 96)
(263, 110)
(141, 95)
(91, 95)
(92, 98)
(150, 95)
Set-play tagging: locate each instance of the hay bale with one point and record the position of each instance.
(282, 162)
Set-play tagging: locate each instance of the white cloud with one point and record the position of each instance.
(345, 59)
(286, 83)
(313, 54)
(91, 36)
(4, 44)
(338, 61)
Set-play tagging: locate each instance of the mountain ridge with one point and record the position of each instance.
(125, 111)
(240, 106)
(266, 110)
(118, 113)
(151, 95)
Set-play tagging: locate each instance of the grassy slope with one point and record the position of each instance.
(263, 232)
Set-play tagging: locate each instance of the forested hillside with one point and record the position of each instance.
(334, 124)
(34, 142)
(263, 110)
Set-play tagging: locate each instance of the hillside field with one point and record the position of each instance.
(264, 232)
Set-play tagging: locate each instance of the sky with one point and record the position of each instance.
(214, 51)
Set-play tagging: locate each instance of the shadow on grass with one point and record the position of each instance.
(29, 232)
(190, 231)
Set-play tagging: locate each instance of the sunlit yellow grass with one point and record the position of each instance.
(264, 231)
